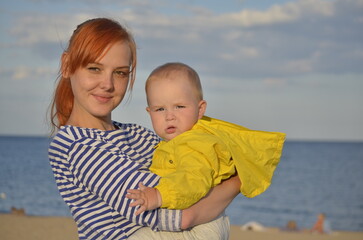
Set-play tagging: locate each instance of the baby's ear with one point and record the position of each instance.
(202, 108)
(147, 109)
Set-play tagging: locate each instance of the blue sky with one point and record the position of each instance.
(288, 66)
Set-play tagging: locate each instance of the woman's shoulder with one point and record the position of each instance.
(70, 134)
(66, 135)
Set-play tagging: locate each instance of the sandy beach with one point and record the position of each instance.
(19, 227)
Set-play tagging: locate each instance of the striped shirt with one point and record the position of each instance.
(94, 168)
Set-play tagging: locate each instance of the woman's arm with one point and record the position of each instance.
(211, 206)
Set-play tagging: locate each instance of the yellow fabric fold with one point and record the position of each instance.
(197, 160)
(256, 154)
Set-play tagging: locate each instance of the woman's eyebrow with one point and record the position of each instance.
(128, 67)
(100, 64)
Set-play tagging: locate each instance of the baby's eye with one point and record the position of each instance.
(159, 109)
(180, 106)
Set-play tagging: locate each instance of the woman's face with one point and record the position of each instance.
(100, 86)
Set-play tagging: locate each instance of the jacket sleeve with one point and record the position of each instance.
(256, 154)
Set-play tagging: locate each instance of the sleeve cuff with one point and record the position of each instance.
(169, 220)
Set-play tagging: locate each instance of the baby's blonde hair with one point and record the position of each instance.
(167, 69)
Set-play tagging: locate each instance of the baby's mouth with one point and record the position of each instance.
(170, 129)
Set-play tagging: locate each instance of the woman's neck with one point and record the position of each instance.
(97, 123)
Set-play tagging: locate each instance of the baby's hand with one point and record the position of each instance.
(139, 198)
(146, 198)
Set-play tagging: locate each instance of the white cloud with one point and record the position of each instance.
(275, 82)
(21, 73)
(282, 40)
(276, 14)
(250, 18)
(32, 29)
(299, 66)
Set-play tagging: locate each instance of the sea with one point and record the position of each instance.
(312, 178)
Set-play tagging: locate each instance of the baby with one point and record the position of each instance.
(198, 152)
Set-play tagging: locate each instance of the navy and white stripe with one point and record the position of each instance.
(94, 168)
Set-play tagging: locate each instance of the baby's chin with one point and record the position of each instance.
(169, 137)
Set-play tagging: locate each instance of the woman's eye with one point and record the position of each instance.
(122, 73)
(94, 69)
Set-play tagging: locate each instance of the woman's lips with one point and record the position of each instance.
(102, 99)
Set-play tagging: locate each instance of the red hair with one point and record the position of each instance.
(88, 42)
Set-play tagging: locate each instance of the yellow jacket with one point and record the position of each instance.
(197, 160)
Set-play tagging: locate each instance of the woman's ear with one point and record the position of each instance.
(64, 65)
(202, 108)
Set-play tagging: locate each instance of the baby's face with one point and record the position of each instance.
(173, 106)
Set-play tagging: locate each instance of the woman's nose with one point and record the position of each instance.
(107, 82)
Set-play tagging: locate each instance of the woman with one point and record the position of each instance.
(95, 160)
